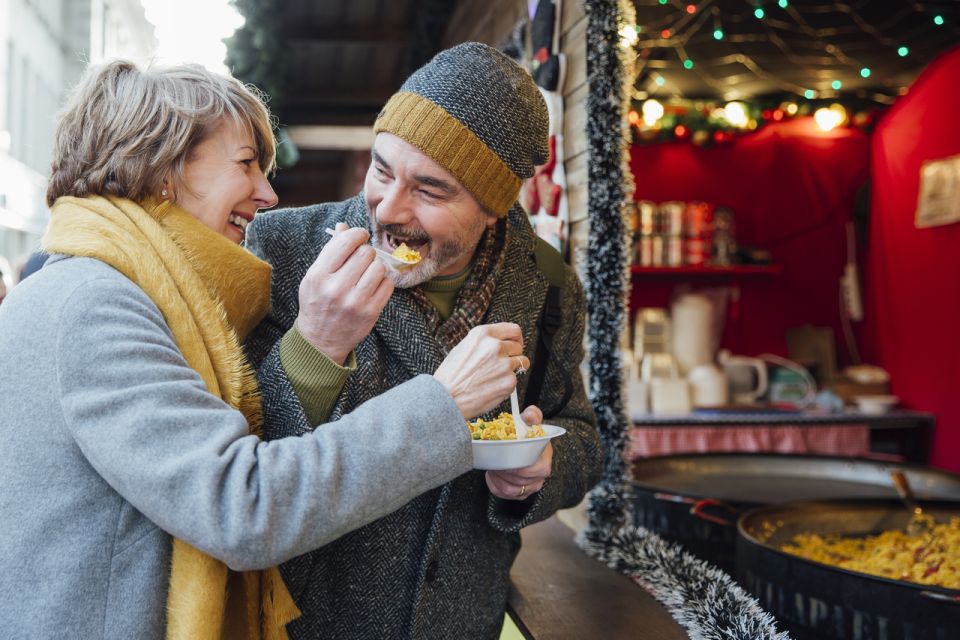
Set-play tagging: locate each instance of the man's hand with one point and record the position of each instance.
(520, 484)
(342, 294)
(479, 372)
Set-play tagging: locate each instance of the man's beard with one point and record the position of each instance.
(441, 256)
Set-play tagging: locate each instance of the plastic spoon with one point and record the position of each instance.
(916, 524)
(392, 261)
(518, 422)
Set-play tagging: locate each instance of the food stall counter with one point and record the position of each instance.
(558, 591)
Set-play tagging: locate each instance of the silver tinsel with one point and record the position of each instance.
(607, 263)
(702, 599)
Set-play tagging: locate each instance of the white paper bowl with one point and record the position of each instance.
(875, 405)
(496, 455)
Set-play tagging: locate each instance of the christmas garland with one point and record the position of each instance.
(607, 262)
(701, 598)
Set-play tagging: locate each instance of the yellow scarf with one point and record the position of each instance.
(211, 292)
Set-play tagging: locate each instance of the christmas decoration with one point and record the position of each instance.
(778, 61)
(706, 123)
(703, 599)
(544, 195)
(607, 253)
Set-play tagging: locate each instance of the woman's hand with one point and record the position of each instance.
(479, 372)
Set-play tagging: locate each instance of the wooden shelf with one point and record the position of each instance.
(708, 271)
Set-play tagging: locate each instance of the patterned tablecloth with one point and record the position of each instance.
(821, 439)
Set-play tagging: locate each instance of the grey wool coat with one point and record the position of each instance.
(111, 444)
(439, 566)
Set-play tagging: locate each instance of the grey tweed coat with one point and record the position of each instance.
(439, 566)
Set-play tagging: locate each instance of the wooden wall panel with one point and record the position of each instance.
(575, 122)
(573, 43)
(476, 20)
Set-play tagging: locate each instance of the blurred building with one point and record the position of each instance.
(44, 47)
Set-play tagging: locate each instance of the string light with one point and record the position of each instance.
(628, 36)
(829, 118)
(679, 24)
(652, 112)
(736, 114)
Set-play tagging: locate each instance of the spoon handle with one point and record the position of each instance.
(518, 422)
(386, 257)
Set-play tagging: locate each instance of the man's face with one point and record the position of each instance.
(413, 199)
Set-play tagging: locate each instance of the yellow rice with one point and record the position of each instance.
(931, 557)
(405, 253)
(500, 428)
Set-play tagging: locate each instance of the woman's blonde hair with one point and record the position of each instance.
(124, 130)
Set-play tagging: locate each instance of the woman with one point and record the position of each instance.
(133, 476)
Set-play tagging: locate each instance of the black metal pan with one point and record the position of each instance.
(696, 499)
(816, 601)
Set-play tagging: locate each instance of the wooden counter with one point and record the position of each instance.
(560, 593)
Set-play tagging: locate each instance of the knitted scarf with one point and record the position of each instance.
(475, 294)
(211, 293)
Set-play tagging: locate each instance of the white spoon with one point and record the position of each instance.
(392, 261)
(517, 420)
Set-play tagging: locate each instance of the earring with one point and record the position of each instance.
(163, 193)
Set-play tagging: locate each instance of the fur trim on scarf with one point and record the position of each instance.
(212, 293)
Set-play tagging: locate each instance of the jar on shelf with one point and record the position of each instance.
(697, 233)
(646, 213)
(671, 232)
(724, 237)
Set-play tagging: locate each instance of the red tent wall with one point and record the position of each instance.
(792, 189)
(912, 319)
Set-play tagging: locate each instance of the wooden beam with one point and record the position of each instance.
(310, 34)
(331, 137)
(306, 96)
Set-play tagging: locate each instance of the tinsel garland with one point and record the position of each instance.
(607, 263)
(702, 599)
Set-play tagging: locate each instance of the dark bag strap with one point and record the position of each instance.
(551, 317)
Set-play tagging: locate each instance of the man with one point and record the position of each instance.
(451, 150)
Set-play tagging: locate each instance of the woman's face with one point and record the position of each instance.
(223, 184)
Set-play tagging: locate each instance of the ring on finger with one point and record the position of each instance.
(523, 490)
(519, 370)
